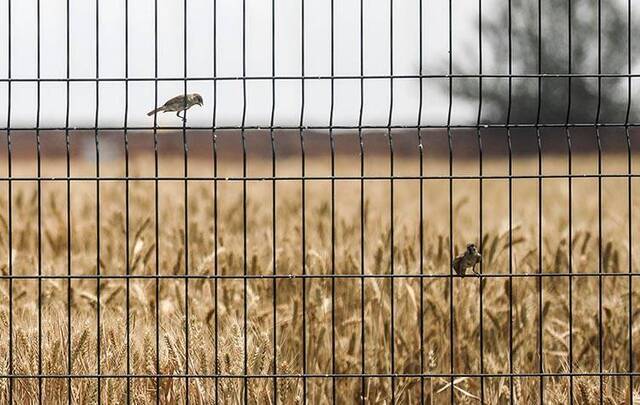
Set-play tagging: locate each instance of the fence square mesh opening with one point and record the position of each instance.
(319, 202)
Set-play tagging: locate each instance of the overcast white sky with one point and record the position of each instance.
(200, 59)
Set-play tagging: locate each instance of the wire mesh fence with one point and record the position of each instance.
(302, 250)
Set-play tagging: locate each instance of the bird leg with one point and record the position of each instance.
(183, 118)
(474, 270)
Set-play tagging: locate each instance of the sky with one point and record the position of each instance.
(290, 49)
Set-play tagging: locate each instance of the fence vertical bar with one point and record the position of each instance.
(599, 143)
(629, 205)
(39, 197)
(304, 207)
(540, 231)
(421, 202)
(540, 268)
(510, 255)
(570, 193)
(450, 145)
(68, 184)
(127, 211)
(244, 204)
(215, 205)
(185, 147)
(363, 396)
(274, 257)
(600, 278)
(510, 197)
(10, 203)
(156, 211)
(333, 215)
(98, 241)
(480, 203)
(391, 213)
(482, 279)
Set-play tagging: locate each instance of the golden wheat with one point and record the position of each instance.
(332, 308)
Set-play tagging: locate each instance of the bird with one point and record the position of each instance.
(178, 104)
(468, 259)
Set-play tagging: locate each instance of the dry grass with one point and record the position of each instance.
(433, 305)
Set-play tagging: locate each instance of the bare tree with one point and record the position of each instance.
(577, 37)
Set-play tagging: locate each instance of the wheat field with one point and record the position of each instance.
(215, 306)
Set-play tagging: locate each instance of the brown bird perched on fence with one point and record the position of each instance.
(468, 259)
(179, 104)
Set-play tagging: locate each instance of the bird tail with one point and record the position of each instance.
(157, 110)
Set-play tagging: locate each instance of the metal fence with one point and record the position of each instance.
(473, 138)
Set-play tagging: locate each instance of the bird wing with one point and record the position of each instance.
(175, 100)
(456, 264)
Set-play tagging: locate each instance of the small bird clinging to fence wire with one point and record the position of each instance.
(468, 259)
(179, 104)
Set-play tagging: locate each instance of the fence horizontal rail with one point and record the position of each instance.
(592, 125)
(305, 276)
(334, 375)
(319, 178)
(324, 77)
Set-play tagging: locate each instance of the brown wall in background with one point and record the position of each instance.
(287, 143)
